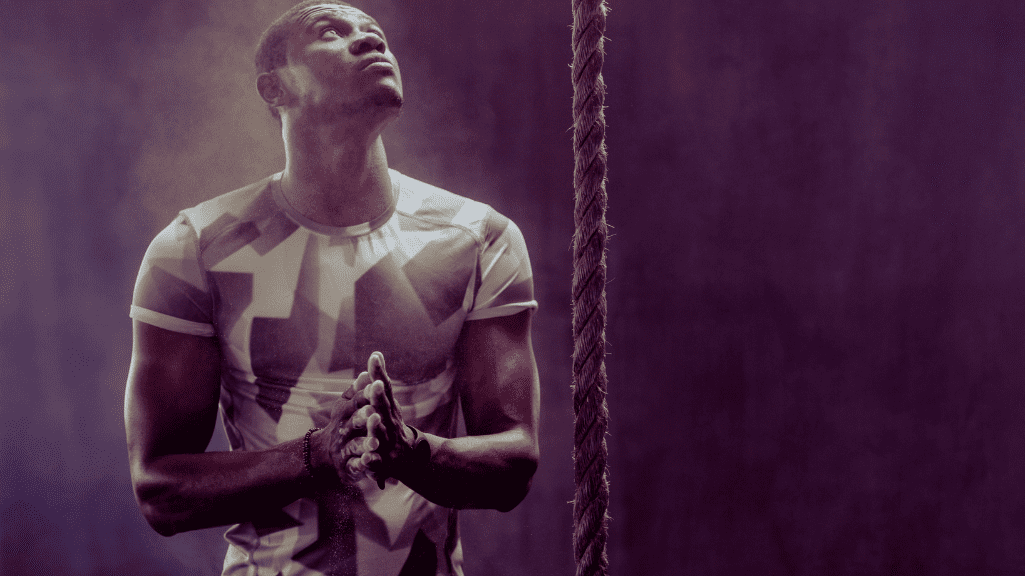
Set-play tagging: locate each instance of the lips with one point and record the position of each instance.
(372, 60)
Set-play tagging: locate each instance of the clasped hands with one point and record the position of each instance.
(367, 436)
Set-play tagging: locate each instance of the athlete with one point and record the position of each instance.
(338, 313)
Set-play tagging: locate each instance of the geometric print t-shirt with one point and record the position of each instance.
(297, 308)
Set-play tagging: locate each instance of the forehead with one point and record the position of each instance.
(318, 12)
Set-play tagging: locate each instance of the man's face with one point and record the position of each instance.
(339, 62)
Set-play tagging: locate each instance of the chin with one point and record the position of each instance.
(388, 102)
(390, 99)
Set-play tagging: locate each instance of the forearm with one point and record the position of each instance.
(492, 471)
(181, 492)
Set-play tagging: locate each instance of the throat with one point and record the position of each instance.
(339, 186)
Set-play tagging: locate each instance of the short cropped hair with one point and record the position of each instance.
(272, 51)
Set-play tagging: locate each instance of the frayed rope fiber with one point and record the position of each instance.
(590, 382)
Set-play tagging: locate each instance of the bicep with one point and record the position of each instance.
(498, 379)
(172, 393)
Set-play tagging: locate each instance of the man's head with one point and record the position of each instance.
(325, 53)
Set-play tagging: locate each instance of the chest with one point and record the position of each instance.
(315, 305)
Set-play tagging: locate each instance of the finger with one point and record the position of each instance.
(344, 409)
(375, 366)
(377, 396)
(363, 380)
(361, 446)
(368, 392)
(358, 384)
(359, 419)
(386, 411)
(358, 467)
(354, 428)
(369, 459)
(372, 463)
(351, 400)
(377, 430)
(374, 424)
(370, 443)
(353, 448)
(355, 469)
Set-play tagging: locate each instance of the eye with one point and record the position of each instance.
(330, 29)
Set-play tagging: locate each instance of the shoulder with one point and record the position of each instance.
(240, 209)
(437, 207)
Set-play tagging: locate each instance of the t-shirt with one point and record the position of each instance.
(297, 308)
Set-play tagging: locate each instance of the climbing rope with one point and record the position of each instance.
(590, 453)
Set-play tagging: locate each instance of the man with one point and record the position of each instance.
(269, 301)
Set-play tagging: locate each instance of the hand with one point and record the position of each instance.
(349, 446)
(392, 439)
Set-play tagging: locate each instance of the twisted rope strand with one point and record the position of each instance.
(590, 382)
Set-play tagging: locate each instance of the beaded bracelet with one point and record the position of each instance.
(306, 451)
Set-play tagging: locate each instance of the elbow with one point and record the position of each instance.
(161, 525)
(520, 478)
(512, 498)
(153, 502)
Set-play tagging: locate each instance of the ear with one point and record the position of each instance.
(269, 86)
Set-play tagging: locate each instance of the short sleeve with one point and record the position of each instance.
(171, 291)
(506, 282)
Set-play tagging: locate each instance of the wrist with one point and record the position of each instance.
(411, 435)
(316, 460)
(415, 460)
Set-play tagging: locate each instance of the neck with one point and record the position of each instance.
(335, 176)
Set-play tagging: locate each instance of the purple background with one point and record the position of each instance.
(817, 273)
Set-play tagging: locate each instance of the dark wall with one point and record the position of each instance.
(818, 287)
(816, 273)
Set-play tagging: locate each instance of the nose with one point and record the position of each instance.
(367, 43)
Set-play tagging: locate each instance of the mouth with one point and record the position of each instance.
(375, 62)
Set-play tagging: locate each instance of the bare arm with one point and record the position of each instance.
(493, 466)
(170, 413)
